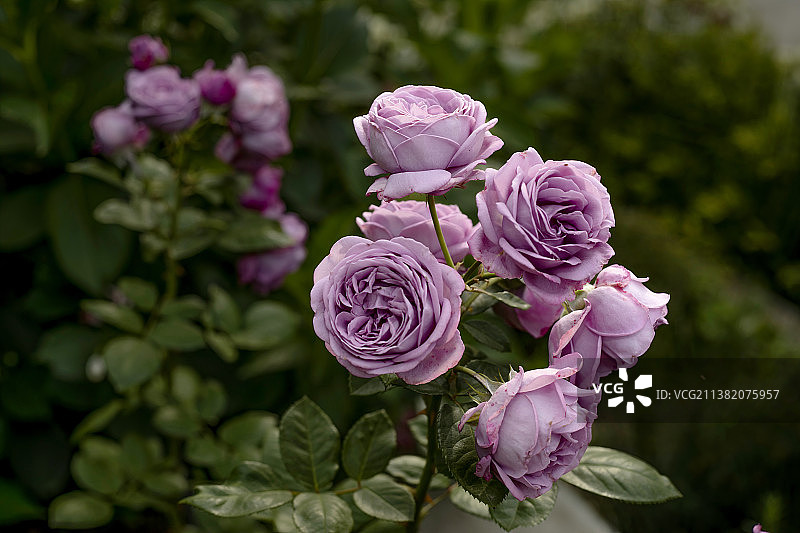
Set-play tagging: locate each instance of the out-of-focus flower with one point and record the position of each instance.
(146, 51)
(264, 194)
(427, 139)
(162, 99)
(115, 128)
(216, 86)
(266, 271)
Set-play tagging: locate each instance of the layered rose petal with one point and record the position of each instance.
(412, 219)
(613, 329)
(388, 306)
(427, 139)
(163, 100)
(532, 430)
(547, 223)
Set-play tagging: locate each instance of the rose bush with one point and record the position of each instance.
(162, 99)
(615, 325)
(427, 139)
(412, 219)
(532, 430)
(545, 222)
(388, 306)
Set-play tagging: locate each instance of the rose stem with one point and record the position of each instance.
(438, 228)
(427, 472)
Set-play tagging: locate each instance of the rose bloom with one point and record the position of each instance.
(532, 430)
(115, 128)
(388, 306)
(264, 193)
(260, 111)
(614, 327)
(427, 139)
(547, 223)
(162, 99)
(216, 86)
(266, 271)
(146, 51)
(412, 219)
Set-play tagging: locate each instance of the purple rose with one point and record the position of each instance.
(146, 51)
(538, 318)
(264, 194)
(116, 128)
(614, 326)
(260, 112)
(427, 139)
(547, 223)
(216, 86)
(757, 529)
(266, 271)
(412, 219)
(532, 430)
(162, 99)
(388, 306)
(229, 150)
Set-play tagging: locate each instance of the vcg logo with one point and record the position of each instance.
(619, 389)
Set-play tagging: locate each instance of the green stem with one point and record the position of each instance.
(432, 207)
(430, 465)
(469, 371)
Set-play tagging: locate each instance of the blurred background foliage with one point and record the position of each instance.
(687, 114)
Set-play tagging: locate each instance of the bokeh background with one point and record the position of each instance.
(685, 107)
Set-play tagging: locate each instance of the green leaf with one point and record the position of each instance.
(98, 465)
(79, 510)
(366, 386)
(512, 513)
(253, 233)
(488, 334)
(461, 455)
(98, 169)
(185, 384)
(140, 454)
(173, 421)
(266, 324)
(464, 501)
(382, 526)
(177, 334)
(166, 483)
(369, 445)
(212, 401)
(510, 299)
(131, 361)
(225, 313)
(184, 307)
(16, 505)
(309, 442)
(283, 357)
(409, 469)
(232, 501)
(383, 498)
(66, 349)
(219, 15)
(137, 215)
(142, 293)
(314, 513)
(203, 450)
(90, 254)
(255, 476)
(97, 420)
(222, 344)
(614, 474)
(31, 113)
(118, 316)
(21, 218)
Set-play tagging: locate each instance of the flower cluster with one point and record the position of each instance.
(250, 101)
(389, 304)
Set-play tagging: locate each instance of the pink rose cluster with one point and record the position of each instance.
(252, 101)
(382, 305)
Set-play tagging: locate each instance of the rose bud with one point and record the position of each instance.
(427, 139)
(532, 430)
(215, 85)
(264, 194)
(612, 324)
(115, 128)
(266, 271)
(146, 51)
